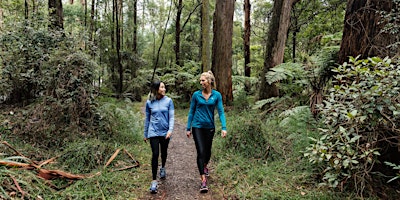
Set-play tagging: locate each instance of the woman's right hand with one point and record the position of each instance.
(145, 140)
(188, 133)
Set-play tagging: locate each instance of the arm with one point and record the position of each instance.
(191, 113)
(147, 120)
(221, 114)
(192, 110)
(171, 114)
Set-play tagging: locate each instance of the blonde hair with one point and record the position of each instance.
(210, 78)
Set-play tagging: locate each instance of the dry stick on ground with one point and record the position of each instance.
(112, 157)
(124, 168)
(18, 187)
(46, 174)
(17, 152)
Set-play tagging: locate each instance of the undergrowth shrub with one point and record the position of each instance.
(85, 156)
(360, 113)
(246, 136)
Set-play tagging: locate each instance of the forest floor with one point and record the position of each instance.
(183, 179)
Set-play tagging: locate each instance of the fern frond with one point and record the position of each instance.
(284, 71)
(261, 103)
(294, 111)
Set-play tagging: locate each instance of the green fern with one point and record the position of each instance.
(285, 71)
(262, 103)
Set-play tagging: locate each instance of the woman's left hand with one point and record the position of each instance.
(168, 135)
(223, 133)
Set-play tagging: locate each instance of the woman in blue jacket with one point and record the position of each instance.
(158, 127)
(201, 122)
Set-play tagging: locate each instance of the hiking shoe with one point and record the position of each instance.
(206, 171)
(153, 187)
(162, 173)
(203, 187)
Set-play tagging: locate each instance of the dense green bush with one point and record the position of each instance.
(360, 112)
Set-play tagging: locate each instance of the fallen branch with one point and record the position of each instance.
(18, 187)
(137, 162)
(112, 157)
(53, 174)
(125, 168)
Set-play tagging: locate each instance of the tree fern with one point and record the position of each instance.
(284, 71)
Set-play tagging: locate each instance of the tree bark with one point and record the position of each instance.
(205, 36)
(135, 25)
(362, 30)
(222, 48)
(246, 38)
(118, 45)
(56, 20)
(246, 43)
(178, 34)
(275, 47)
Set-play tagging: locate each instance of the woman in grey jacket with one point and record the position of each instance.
(158, 127)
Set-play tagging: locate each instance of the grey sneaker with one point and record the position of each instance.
(153, 187)
(163, 174)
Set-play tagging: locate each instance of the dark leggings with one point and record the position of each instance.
(203, 138)
(156, 143)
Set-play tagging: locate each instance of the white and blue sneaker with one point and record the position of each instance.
(153, 187)
(163, 174)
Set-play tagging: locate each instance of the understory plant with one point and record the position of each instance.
(360, 113)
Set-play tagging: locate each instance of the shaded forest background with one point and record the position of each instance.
(319, 80)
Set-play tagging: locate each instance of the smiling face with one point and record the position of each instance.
(204, 82)
(161, 90)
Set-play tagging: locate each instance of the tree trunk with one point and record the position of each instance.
(222, 48)
(246, 43)
(178, 34)
(91, 32)
(205, 36)
(26, 9)
(246, 38)
(162, 43)
(275, 47)
(362, 30)
(1, 16)
(56, 21)
(135, 25)
(118, 45)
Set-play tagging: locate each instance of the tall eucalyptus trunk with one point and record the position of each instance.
(362, 30)
(178, 31)
(205, 35)
(135, 26)
(275, 47)
(56, 20)
(222, 45)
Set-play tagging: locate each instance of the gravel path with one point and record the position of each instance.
(183, 180)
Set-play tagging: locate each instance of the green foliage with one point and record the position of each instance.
(242, 134)
(290, 76)
(361, 108)
(86, 154)
(120, 121)
(24, 51)
(260, 156)
(395, 167)
(391, 19)
(181, 82)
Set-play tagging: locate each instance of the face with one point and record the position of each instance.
(204, 82)
(161, 89)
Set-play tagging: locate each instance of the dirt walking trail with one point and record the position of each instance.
(183, 180)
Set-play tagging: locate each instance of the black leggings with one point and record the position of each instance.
(156, 143)
(203, 138)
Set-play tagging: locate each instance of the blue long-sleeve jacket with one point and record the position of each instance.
(201, 113)
(159, 117)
